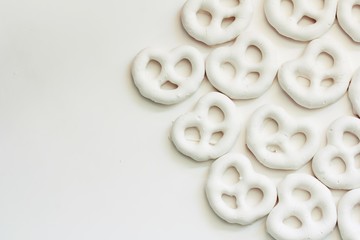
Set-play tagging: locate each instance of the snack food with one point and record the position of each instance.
(347, 20)
(214, 33)
(152, 87)
(354, 93)
(289, 206)
(204, 149)
(276, 150)
(243, 213)
(241, 86)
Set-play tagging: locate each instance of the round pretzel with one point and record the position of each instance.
(215, 33)
(152, 87)
(215, 189)
(276, 150)
(354, 92)
(316, 95)
(348, 226)
(290, 26)
(346, 18)
(240, 87)
(205, 149)
(337, 149)
(290, 206)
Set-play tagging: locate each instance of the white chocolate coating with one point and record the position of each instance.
(276, 150)
(214, 33)
(289, 25)
(348, 226)
(240, 87)
(151, 87)
(243, 214)
(290, 206)
(199, 118)
(346, 18)
(354, 93)
(336, 148)
(316, 95)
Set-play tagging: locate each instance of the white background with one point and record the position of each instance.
(82, 154)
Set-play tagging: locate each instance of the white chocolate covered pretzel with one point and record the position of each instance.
(205, 149)
(289, 206)
(276, 150)
(349, 224)
(291, 26)
(347, 20)
(215, 33)
(354, 92)
(240, 87)
(319, 93)
(152, 87)
(337, 150)
(243, 213)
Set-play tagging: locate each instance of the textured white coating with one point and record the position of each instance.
(151, 87)
(291, 206)
(336, 148)
(290, 26)
(240, 87)
(316, 95)
(243, 213)
(348, 222)
(277, 150)
(215, 33)
(205, 149)
(347, 20)
(354, 93)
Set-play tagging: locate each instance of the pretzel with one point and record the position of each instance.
(337, 149)
(291, 206)
(346, 18)
(354, 92)
(215, 188)
(152, 87)
(290, 26)
(240, 87)
(205, 149)
(307, 66)
(349, 229)
(276, 150)
(214, 33)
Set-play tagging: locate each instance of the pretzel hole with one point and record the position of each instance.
(270, 126)
(357, 161)
(325, 60)
(169, 86)
(326, 83)
(337, 166)
(153, 68)
(216, 114)
(227, 22)
(316, 214)
(356, 13)
(274, 148)
(252, 77)
(301, 194)
(183, 68)
(254, 197)
(216, 137)
(293, 222)
(350, 139)
(253, 54)
(298, 140)
(204, 17)
(287, 7)
(316, 4)
(228, 70)
(355, 214)
(306, 21)
(230, 201)
(303, 81)
(230, 3)
(231, 176)
(192, 134)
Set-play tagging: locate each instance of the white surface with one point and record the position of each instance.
(82, 154)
